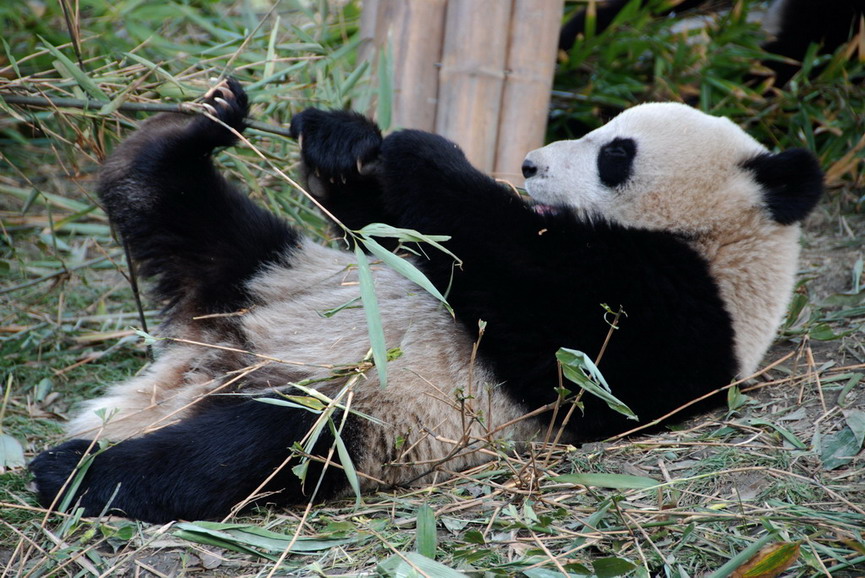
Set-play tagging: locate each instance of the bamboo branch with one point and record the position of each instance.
(184, 108)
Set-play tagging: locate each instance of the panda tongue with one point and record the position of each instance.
(545, 209)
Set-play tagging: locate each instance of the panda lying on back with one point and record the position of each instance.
(679, 218)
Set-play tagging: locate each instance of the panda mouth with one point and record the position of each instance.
(542, 209)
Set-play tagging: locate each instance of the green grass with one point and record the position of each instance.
(731, 481)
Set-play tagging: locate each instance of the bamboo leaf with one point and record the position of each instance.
(406, 235)
(612, 567)
(305, 403)
(615, 481)
(384, 110)
(736, 561)
(426, 539)
(271, 49)
(251, 539)
(839, 448)
(347, 464)
(11, 453)
(413, 564)
(373, 316)
(769, 562)
(404, 268)
(578, 368)
(74, 72)
(783, 432)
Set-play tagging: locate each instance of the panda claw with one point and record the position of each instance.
(221, 102)
(300, 142)
(209, 108)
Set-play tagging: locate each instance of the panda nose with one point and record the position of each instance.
(530, 169)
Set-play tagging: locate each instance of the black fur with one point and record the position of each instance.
(539, 282)
(616, 161)
(792, 183)
(182, 220)
(200, 467)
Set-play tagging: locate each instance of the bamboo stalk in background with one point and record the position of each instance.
(415, 32)
(478, 72)
(532, 46)
(472, 76)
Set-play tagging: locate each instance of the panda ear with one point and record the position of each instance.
(792, 183)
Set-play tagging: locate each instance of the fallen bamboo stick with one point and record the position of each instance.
(84, 104)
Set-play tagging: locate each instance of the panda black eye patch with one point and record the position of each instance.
(616, 160)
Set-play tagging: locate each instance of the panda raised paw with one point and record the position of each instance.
(336, 146)
(227, 102)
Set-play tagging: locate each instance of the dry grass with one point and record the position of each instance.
(773, 472)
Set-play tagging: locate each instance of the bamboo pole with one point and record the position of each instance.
(478, 72)
(472, 76)
(417, 50)
(414, 32)
(532, 46)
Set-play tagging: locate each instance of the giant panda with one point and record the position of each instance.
(677, 220)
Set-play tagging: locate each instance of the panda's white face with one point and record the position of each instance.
(659, 166)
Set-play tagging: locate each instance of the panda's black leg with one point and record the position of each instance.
(199, 468)
(184, 223)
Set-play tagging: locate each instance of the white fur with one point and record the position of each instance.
(687, 178)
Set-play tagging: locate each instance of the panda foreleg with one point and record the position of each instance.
(200, 468)
(339, 150)
(183, 222)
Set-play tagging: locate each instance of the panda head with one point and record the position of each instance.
(667, 166)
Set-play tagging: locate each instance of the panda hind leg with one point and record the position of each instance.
(234, 450)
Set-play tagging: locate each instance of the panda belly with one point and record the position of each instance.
(439, 402)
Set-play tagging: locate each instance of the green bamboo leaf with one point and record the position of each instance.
(72, 488)
(412, 564)
(426, 539)
(159, 70)
(352, 79)
(614, 481)
(74, 72)
(384, 110)
(305, 403)
(404, 268)
(406, 235)
(385, 230)
(11, 452)
(347, 465)
(373, 317)
(783, 432)
(612, 567)
(579, 368)
(251, 539)
(839, 448)
(270, 61)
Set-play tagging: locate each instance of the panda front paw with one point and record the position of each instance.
(52, 468)
(337, 147)
(228, 103)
